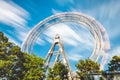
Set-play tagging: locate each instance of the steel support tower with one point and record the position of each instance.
(61, 52)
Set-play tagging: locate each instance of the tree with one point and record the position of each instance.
(58, 72)
(4, 46)
(5, 64)
(86, 67)
(33, 68)
(114, 64)
(16, 65)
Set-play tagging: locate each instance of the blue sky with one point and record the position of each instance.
(18, 17)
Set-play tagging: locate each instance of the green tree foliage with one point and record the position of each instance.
(5, 64)
(114, 64)
(58, 72)
(33, 68)
(16, 65)
(86, 67)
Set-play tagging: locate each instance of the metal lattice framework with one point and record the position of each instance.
(101, 40)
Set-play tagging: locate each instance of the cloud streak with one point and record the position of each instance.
(74, 57)
(64, 2)
(70, 37)
(107, 15)
(16, 17)
(12, 14)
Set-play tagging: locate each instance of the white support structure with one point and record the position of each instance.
(60, 52)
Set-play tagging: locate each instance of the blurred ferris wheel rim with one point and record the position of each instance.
(101, 40)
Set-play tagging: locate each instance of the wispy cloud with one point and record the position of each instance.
(68, 34)
(74, 57)
(64, 2)
(71, 36)
(107, 15)
(54, 11)
(115, 52)
(64, 31)
(12, 14)
(16, 17)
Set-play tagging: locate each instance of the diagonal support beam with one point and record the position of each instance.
(60, 52)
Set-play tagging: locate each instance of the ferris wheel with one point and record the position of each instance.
(101, 40)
